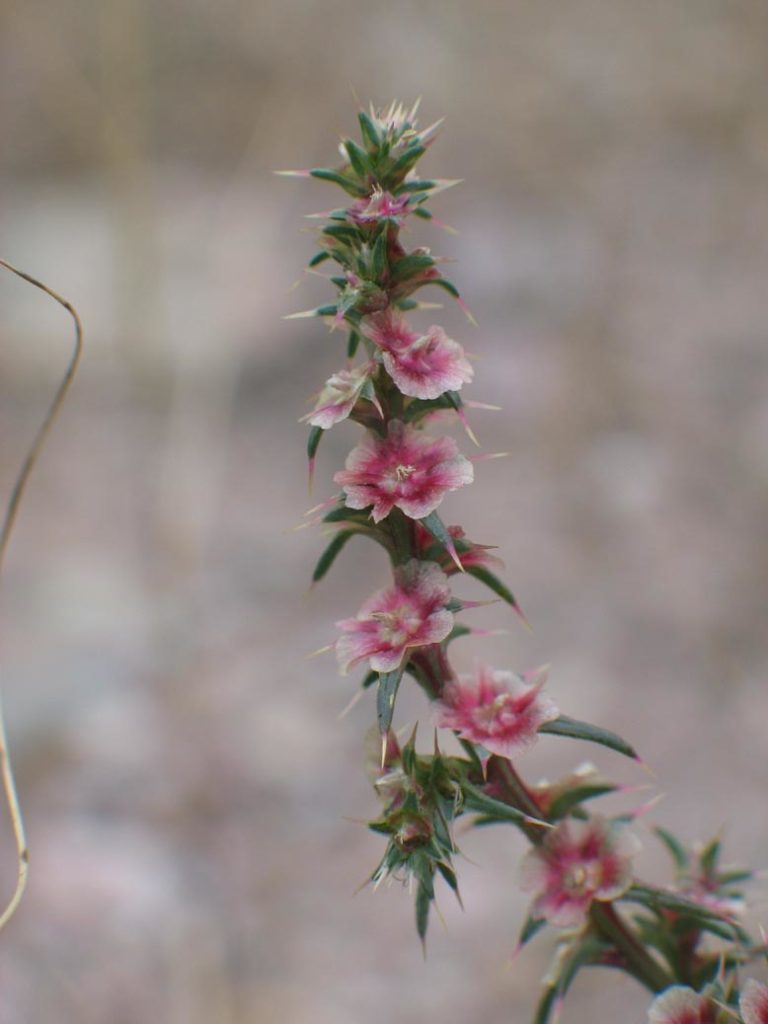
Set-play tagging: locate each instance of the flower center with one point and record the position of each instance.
(581, 878)
(403, 472)
(396, 626)
(488, 713)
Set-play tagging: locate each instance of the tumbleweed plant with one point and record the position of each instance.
(684, 941)
(6, 528)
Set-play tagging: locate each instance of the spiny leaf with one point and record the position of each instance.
(563, 804)
(341, 514)
(571, 727)
(369, 131)
(458, 631)
(358, 158)
(406, 161)
(412, 264)
(424, 897)
(328, 557)
(352, 342)
(385, 697)
(439, 531)
(656, 899)
(476, 800)
(676, 849)
(441, 282)
(531, 927)
(313, 441)
(420, 185)
(492, 581)
(319, 257)
(709, 855)
(379, 255)
(325, 174)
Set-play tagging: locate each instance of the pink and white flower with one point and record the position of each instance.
(407, 469)
(421, 365)
(681, 1005)
(578, 862)
(412, 613)
(377, 206)
(339, 396)
(499, 710)
(753, 1003)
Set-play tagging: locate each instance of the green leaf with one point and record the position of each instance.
(342, 232)
(531, 927)
(571, 727)
(563, 804)
(328, 557)
(368, 130)
(441, 282)
(448, 874)
(379, 255)
(423, 212)
(405, 162)
(385, 697)
(342, 514)
(319, 257)
(352, 342)
(709, 855)
(476, 800)
(412, 264)
(370, 678)
(675, 848)
(495, 584)
(325, 174)
(662, 899)
(313, 441)
(358, 158)
(419, 185)
(439, 531)
(424, 896)
(458, 631)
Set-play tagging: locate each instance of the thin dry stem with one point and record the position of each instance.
(6, 768)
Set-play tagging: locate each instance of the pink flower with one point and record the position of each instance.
(681, 1005)
(754, 1003)
(377, 206)
(421, 365)
(579, 861)
(407, 469)
(339, 396)
(499, 710)
(412, 613)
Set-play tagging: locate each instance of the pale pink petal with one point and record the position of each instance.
(406, 469)
(411, 613)
(581, 861)
(498, 710)
(339, 396)
(421, 365)
(754, 1003)
(681, 1005)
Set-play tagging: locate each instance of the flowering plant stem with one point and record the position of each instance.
(579, 867)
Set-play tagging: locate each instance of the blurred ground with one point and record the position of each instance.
(192, 800)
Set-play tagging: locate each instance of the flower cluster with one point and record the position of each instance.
(683, 941)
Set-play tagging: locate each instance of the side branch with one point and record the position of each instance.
(17, 492)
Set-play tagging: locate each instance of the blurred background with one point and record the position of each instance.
(194, 804)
